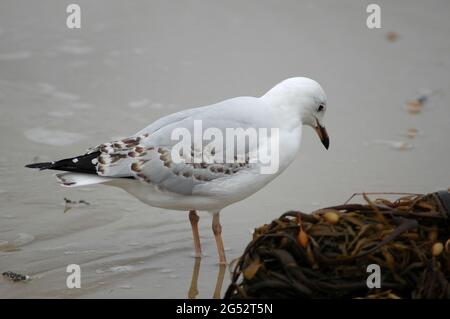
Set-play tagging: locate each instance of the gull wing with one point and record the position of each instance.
(147, 156)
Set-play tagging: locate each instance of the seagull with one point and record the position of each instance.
(151, 166)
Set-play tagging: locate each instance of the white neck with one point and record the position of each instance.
(280, 99)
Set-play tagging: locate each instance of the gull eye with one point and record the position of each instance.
(320, 109)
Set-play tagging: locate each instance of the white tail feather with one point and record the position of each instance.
(79, 179)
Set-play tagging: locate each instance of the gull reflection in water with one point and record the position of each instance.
(193, 289)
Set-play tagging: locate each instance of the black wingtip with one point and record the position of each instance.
(80, 164)
(40, 165)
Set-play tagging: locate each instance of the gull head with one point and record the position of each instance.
(303, 98)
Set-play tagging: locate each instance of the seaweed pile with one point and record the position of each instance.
(325, 254)
(13, 276)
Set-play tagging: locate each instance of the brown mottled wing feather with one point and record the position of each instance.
(151, 164)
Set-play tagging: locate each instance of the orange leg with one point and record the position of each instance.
(217, 230)
(193, 218)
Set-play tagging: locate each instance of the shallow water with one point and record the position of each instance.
(134, 62)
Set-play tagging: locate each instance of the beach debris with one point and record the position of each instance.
(411, 132)
(69, 204)
(392, 36)
(404, 236)
(13, 276)
(416, 106)
(397, 145)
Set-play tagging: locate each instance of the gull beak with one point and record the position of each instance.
(323, 135)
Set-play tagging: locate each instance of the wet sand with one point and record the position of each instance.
(134, 62)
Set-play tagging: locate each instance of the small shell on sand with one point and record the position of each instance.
(414, 106)
(392, 36)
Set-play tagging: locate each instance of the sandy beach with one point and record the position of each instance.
(63, 90)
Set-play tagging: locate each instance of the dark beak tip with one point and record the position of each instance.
(323, 135)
